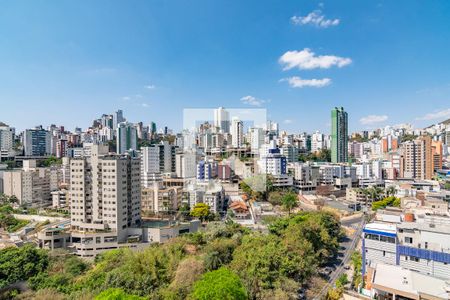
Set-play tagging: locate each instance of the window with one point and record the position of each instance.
(384, 253)
(413, 258)
(408, 240)
(426, 245)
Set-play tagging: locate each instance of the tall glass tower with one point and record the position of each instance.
(339, 135)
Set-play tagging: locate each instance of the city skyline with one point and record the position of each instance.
(205, 55)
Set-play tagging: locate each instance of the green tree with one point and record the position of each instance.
(51, 160)
(116, 294)
(18, 264)
(447, 185)
(356, 260)
(221, 284)
(200, 211)
(342, 280)
(289, 201)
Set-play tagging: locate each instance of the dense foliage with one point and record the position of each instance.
(324, 155)
(221, 284)
(17, 264)
(7, 220)
(223, 261)
(388, 201)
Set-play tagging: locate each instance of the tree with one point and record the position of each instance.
(116, 294)
(447, 185)
(200, 211)
(51, 160)
(18, 264)
(289, 201)
(184, 211)
(342, 281)
(391, 190)
(245, 188)
(388, 201)
(221, 284)
(356, 260)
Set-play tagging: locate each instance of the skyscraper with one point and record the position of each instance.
(118, 118)
(237, 134)
(153, 128)
(418, 159)
(126, 137)
(222, 120)
(339, 135)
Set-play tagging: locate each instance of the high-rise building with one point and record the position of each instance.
(186, 164)
(150, 166)
(153, 128)
(126, 137)
(222, 120)
(339, 135)
(317, 141)
(237, 133)
(167, 157)
(117, 118)
(61, 148)
(105, 193)
(256, 139)
(36, 142)
(418, 159)
(437, 155)
(6, 141)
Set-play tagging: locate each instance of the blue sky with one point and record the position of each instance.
(67, 62)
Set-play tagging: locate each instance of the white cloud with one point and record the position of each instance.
(436, 115)
(288, 121)
(315, 18)
(126, 98)
(372, 119)
(297, 82)
(150, 87)
(250, 100)
(307, 60)
(145, 105)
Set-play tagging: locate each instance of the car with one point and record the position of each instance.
(347, 267)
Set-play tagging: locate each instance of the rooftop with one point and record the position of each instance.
(408, 282)
(383, 227)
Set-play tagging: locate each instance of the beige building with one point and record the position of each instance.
(418, 159)
(30, 185)
(105, 200)
(157, 199)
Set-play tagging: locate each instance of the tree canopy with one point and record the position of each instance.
(221, 284)
(200, 211)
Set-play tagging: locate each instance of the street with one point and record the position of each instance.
(347, 246)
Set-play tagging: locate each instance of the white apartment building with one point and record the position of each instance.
(256, 139)
(105, 194)
(237, 133)
(222, 120)
(186, 164)
(317, 141)
(211, 193)
(422, 246)
(150, 166)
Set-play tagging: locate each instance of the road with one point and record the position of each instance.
(346, 249)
